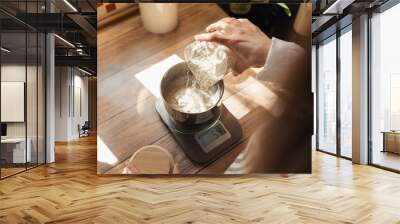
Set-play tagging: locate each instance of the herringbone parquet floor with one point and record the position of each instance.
(69, 191)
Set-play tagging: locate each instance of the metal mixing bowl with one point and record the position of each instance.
(176, 78)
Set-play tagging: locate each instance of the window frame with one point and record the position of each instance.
(27, 29)
(333, 37)
(378, 10)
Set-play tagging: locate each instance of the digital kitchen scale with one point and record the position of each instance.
(204, 143)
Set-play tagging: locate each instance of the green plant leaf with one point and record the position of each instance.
(285, 8)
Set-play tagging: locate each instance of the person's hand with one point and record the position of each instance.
(247, 42)
(130, 169)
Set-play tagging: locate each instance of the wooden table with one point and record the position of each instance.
(126, 114)
(391, 141)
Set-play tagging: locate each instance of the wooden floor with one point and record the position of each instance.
(5, 172)
(387, 159)
(10, 171)
(69, 191)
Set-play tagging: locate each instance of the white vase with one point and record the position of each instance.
(159, 17)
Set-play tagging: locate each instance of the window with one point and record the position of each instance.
(22, 77)
(327, 95)
(346, 92)
(385, 89)
(334, 73)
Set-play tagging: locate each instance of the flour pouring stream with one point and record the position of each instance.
(207, 64)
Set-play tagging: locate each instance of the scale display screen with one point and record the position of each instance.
(213, 137)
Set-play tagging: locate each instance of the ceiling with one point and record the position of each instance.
(72, 20)
(332, 15)
(39, 6)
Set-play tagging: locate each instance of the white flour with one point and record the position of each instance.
(194, 100)
(208, 63)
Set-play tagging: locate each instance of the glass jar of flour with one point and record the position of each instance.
(209, 62)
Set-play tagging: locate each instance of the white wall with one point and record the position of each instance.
(69, 82)
(12, 73)
(80, 84)
(61, 103)
(12, 101)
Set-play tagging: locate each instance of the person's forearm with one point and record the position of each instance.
(287, 71)
(282, 57)
(273, 147)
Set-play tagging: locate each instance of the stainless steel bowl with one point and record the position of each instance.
(176, 78)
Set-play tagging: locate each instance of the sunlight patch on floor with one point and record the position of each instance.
(104, 154)
(151, 76)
